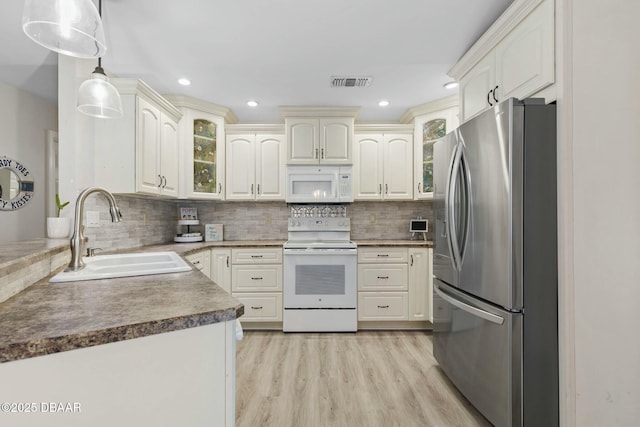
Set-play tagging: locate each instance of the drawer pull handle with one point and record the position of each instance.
(196, 262)
(256, 256)
(383, 277)
(383, 255)
(256, 308)
(383, 306)
(256, 278)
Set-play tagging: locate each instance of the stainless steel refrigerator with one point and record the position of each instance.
(495, 262)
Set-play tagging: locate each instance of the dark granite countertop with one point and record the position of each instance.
(391, 242)
(49, 318)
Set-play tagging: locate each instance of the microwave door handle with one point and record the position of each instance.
(475, 311)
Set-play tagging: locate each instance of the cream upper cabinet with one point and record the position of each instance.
(312, 141)
(382, 166)
(429, 128)
(139, 152)
(202, 148)
(255, 166)
(520, 64)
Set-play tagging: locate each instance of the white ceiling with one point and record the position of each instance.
(278, 52)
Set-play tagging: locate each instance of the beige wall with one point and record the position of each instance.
(24, 121)
(603, 113)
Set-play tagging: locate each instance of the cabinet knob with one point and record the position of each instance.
(412, 260)
(160, 179)
(251, 188)
(488, 99)
(322, 153)
(227, 261)
(316, 153)
(386, 189)
(256, 307)
(383, 277)
(383, 306)
(256, 278)
(493, 93)
(258, 192)
(380, 189)
(219, 187)
(418, 187)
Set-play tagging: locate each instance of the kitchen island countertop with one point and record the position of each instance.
(49, 318)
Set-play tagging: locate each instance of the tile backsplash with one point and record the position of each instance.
(148, 221)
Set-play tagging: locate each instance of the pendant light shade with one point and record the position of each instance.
(70, 27)
(99, 98)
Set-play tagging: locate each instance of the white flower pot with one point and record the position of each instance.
(58, 228)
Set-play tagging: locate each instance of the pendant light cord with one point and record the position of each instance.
(99, 68)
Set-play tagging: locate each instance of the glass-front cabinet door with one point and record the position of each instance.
(429, 129)
(204, 155)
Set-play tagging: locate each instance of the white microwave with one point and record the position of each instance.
(319, 184)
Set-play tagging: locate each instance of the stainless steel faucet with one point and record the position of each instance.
(78, 239)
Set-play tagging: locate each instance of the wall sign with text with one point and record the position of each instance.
(16, 184)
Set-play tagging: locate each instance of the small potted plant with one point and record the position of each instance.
(58, 227)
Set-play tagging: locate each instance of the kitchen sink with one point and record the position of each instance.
(124, 265)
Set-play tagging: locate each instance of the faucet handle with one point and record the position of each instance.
(91, 251)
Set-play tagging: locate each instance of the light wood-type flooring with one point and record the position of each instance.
(368, 379)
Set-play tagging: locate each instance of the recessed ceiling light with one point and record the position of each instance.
(184, 82)
(252, 103)
(450, 85)
(383, 103)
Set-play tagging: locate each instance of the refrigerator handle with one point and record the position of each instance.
(468, 308)
(453, 213)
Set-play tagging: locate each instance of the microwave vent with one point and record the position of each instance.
(350, 81)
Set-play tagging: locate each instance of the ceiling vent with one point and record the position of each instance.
(350, 81)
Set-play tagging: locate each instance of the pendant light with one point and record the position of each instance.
(96, 96)
(70, 27)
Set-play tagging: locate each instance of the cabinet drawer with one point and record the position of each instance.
(386, 255)
(257, 256)
(265, 307)
(382, 306)
(385, 277)
(248, 278)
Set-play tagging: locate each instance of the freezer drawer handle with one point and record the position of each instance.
(469, 308)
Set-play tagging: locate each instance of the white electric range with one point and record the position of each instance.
(320, 262)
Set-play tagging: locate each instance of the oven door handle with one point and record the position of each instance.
(320, 252)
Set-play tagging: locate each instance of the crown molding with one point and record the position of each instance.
(245, 128)
(306, 111)
(381, 127)
(138, 87)
(509, 19)
(184, 101)
(429, 107)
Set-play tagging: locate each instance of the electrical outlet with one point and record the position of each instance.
(93, 219)
(372, 219)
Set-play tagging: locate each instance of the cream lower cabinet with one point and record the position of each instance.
(202, 261)
(382, 166)
(256, 281)
(255, 166)
(420, 284)
(221, 268)
(393, 284)
(139, 152)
